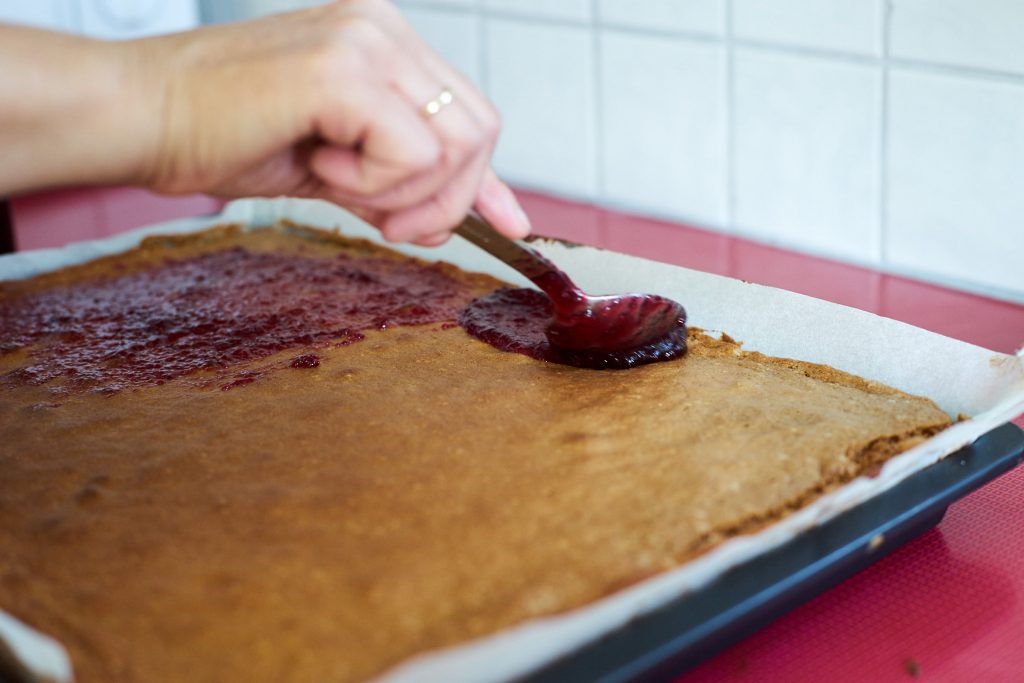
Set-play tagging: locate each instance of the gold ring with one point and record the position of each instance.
(443, 99)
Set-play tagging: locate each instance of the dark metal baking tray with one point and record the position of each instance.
(665, 643)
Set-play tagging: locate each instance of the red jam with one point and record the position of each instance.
(215, 311)
(572, 328)
(517, 320)
(306, 360)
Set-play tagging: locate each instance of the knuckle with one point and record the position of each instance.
(494, 129)
(334, 58)
(366, 5)
(400, 196)
(360, 185)
(467, 139)
(336, 62)
(492, 122)
(362, 33)
(374, 183)
(448, 210)
(381, 8)
(426, 157)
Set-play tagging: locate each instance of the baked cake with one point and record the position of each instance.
(274, 455)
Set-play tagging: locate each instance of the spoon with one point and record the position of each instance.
(614, 331)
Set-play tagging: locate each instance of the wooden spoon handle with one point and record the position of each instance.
(519, 256)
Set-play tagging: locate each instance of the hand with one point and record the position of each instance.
(324, 103)
(327, 103)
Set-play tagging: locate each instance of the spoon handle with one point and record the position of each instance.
(528, 262)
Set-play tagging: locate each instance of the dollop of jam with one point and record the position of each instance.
(573, 328)
(517, 320)
(215, 311)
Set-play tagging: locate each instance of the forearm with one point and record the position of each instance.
(72, 111)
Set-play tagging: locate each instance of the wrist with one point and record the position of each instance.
(127, 108)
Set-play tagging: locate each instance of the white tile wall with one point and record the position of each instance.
(541, 79)
(124, 20)
(685, 16)
(464, 4)
(54, 14)
(104, 18)
(807, 153)
(987, 34)
(956, 178)
(578, 10)
(836, 25)
(453, 35)
(216, 11)
(662, 148)
(881, 131)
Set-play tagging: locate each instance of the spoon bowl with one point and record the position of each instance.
(614, 331)
(615, 323)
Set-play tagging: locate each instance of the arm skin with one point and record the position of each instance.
(324, 103)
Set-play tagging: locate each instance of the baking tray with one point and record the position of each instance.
(663, 644)
(670, 621)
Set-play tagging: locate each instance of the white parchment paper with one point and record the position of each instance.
(961, 378)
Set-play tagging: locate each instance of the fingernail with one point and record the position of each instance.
(519, 216)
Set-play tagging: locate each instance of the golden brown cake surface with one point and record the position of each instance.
(414, 490)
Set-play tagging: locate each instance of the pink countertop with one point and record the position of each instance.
(948, 606)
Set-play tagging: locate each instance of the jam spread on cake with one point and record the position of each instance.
(214, 311)
(217, 310)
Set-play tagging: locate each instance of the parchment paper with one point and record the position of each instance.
(961, 378)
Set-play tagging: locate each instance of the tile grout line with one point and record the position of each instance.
(957, 71)
(730, 140)
(482, 63)
(925, 66)
(878, 282)
(730, 120)
(883, 142)
(597, 105)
